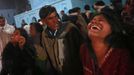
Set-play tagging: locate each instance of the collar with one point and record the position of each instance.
(50, 32)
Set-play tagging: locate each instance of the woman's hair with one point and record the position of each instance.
(24, 34)
(118, 36)
(37, 26)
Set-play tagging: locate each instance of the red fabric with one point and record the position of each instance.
(117, 63)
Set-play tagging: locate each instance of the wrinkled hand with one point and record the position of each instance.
(22, 41)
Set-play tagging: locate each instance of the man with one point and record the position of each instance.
(64, 17)
(61, 42)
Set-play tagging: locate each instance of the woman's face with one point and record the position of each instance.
(15, 36)
(99, 27)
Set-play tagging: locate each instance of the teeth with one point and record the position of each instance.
(95, 27)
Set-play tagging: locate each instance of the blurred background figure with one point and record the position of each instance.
(5, 27)
(23, 23)
(77, 19)
(64, 17)
(117, 6)
(87, 15)
(128, 16)
(98, 6)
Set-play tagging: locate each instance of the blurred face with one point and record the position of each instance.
(15, 36)
(51, 21)
(2, 22)
(99, 27)
(32, 31)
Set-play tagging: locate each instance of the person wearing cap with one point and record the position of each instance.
(61, 41)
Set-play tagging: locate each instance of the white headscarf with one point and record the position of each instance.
(9, 29)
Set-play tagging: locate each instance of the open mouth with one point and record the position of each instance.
(95, 27)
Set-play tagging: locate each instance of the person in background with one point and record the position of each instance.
(5, 27)
(117, 6)
(87, 15)
(61, 41)
(27, 29)
(98, 6)
(128, 19)
(35, 34)
(18, 57)
(34, 20)
(23, 23)
(128, 16)
(77, 19)
(64, 17)
(107, 52)
(6, 31)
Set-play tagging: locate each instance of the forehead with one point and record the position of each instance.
(52, 14)
(2, 19)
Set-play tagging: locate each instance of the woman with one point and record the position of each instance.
(106, 53)
(18, 57)
(35, 33)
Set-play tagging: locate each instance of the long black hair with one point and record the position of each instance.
(25, 35)
(119, 38)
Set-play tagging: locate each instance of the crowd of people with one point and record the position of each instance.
(78, 43)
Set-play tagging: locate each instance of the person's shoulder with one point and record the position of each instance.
(9, 26)
(121, 52)
(68, 24)
(71, 26)
(65, 28)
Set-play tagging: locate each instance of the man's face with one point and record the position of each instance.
(2, 22)
(51, 21)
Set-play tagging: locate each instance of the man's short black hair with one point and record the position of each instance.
(46, 10)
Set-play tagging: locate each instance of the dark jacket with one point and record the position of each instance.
(16, 61)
